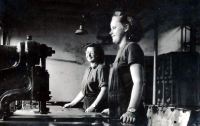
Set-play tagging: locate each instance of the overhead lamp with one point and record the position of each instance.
(81, 31)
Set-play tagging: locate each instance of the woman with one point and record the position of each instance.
(94, 83)
(125, 78)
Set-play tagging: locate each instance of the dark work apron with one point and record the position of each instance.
(118, 96)
(117, 99)
(87, 102)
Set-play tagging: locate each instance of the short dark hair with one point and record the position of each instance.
(98, 50)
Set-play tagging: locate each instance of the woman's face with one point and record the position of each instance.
(117, 31)
(91, 54)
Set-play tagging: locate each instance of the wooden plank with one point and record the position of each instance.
(57, 114)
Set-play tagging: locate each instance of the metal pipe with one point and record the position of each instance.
(155, 58)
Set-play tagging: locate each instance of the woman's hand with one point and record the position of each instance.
(128, 117)
(90, 109)
(68, 105)
(106, 111)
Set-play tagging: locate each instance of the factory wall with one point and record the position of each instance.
(66, 67)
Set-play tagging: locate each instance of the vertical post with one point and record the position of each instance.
(155, 58)
(181, 38)
(192, 38)
(4, 37)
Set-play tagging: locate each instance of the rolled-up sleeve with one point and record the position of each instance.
(135, 54)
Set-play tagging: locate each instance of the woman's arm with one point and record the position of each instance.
(78, 98)
(136, 94)
(102, 94)
(137, 77)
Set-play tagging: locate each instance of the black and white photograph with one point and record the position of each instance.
(99, 62)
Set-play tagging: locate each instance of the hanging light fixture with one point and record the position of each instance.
(81, 30)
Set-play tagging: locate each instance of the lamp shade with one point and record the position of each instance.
(81, 31)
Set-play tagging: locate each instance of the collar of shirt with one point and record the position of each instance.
(94, 66)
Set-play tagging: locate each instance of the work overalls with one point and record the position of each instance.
(117, 99)
(118, 94)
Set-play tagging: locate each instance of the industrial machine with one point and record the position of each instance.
(23, 75)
